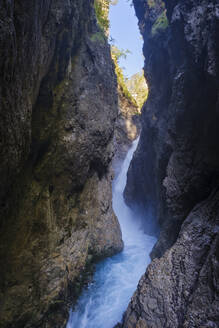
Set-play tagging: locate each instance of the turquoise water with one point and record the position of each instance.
(103, 303)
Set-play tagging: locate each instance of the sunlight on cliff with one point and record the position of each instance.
(138, 88)
(134, 86)
(123, 27)
(131, 130)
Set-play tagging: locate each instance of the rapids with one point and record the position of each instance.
(103, 303)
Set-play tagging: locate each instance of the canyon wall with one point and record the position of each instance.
(58, 107)
(127, 127)
(175, 170)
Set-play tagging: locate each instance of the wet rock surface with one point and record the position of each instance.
(181, 288)
(175, 168)
(58, 110)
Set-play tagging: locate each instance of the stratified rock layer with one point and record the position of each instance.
(58, 110)
(176, 165)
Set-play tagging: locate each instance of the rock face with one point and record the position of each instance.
(178, 162)
(181, 288)
(127, 126)
(58, 110)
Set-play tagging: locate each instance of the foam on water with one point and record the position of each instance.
(102, 304)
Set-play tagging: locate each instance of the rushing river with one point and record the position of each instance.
(102, 304)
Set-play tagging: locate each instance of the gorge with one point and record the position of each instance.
(58, 136)
(116, 278)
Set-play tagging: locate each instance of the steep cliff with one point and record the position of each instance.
(138, 88)
(58, 110)
(175, 168)
(128, 121)
(127, 126)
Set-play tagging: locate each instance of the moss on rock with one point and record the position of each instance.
(160, 24)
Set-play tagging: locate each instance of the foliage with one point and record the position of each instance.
(135, 88)
(138, 88)
(119, 53)
(160, 24)
(116, 55)
(102, 12)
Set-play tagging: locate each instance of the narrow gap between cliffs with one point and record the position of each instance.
(104, 301)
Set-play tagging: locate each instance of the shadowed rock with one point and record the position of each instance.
(176, 165)
(58, 109)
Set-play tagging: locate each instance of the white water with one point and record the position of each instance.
(116, 278)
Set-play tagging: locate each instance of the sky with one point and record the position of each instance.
(124, 30)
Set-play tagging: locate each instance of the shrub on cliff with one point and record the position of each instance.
(116, 54)
(160, 24)
(102, 13)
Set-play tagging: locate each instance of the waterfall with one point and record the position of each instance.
(102, 304)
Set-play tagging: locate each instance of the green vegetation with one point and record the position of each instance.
(98, 37)
(116, 55)
(137, 86)
(137, 94)
(160, 24)
(102, 12)
(151, 3)
(155, 4)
